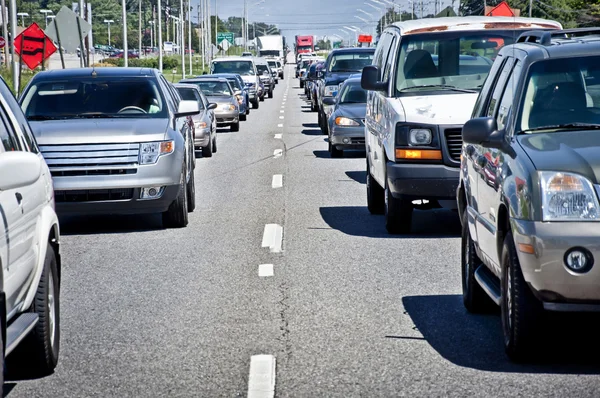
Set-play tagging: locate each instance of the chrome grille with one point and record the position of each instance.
(454, 143)
(91, 159)
(93, 195)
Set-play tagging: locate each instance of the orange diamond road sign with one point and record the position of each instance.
(33, 46)
(501, 10)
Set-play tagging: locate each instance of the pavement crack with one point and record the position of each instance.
(284, 326)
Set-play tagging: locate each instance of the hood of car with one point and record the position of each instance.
(99, 131)
(570, 151)
(352, 111)
(446, 109)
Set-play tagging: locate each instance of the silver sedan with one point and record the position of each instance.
(205, 123)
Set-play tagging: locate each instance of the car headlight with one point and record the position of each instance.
(567, 197)
(330, 90)
(200, 125)
(344, 121)
(251, 85)
(151, 151)
(418, 137)
(227, 107)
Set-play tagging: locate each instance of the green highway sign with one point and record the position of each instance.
(225, 36)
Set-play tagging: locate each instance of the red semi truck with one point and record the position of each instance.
(304, 44)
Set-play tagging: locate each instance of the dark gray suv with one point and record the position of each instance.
(529, 185)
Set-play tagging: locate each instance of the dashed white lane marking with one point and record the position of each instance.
(261, 382)
(282, 111)
(277, 153)
(265, 270)
(277, 181)
(278, 136)
(280, 125)
(272, 237)
(281, 117)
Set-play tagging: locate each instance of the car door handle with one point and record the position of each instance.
(19, 197)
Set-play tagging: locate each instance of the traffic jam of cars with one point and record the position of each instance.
(493, 118)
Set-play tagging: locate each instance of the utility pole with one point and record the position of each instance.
(530, 7)
(201, 34)
(5, 30)
(125, 47)
(160, 42)
(209, 30)
(182, 41)
(190, 35)
(216, 23)
(13, 35)
(140, 29)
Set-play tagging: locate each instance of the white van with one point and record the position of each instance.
(424, 81)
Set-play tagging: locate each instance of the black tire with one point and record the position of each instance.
(301, 84)
(520, 325)
(375, 192)
(214, 145)
(262, 98)
(248, 106)
(176, 215)
(313, 106)
(398, 213)
(255, 104)
(207, 151)
(319, 121)
(38, 354)
(335, 153)
(271, 93)
(235, 127)
(475, 299)
(243, 117)
(190, 189)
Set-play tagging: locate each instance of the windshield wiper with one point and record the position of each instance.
(565, 126)
(44, 117)
(439, 86)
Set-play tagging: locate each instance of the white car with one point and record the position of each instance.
(29, 248)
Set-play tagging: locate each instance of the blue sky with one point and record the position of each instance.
(312, 17)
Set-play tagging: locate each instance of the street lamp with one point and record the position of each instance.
(246, 29)
(108, 21)
(22, 15)
(46, 12)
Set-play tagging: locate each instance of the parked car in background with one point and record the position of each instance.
(29, 250)
(274, 69)
(340, 64)
(246, 68)
(218, 90)
(117, 141)
(266, 76)
(204, 123)
(347, 121)
(416, 108)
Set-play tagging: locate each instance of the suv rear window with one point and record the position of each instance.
(348, 62)
(244, 68)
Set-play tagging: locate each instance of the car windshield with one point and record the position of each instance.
(273, 64)
(350, 62)
(353, 93)
(214, 88)
(189, 94)
(81, 97)
(262, 69)
(244, 68)
(446, 61)
(235, 84)
(561, 93)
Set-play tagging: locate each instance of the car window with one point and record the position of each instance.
(18, 117)
(262, 69)
(499, 88)
(507, 98)
(387, 66)
(350, 62)
(10, 142)
(483, 99)
(212, 88)
(190, 94)
(244, 68)
(353, 94)
(83, 96)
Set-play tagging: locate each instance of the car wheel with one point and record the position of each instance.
(247, 107)
(207, 151)
(38, 354)
(176, 215)
(319, 121)
(475, 299)
(398, 213)
(335, 153)
(271, 93)
(313, 106)
(301, 84)
(191, 192)
(255, 104)
(375, 199)
(521, 312)
(214, 145)
(235, 127)
(262, 98)
(243, 117)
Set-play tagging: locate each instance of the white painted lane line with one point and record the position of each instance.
(280, 125)
(277, 153)
(272, 237)
(277, 181)
(281, 111)
(283, 106)
(261, 381)
(265, 270)
(278, 136)
(281, 117)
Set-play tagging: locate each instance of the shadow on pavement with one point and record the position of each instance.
(358, 176)
(322, 154)
(426, 224)
(311, 125)
(312, 132)
(89, 225)
(7, 388)
(475, 341)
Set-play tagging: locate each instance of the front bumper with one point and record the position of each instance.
(348, 137)
(557, 287)
(422, 181)
(226, 118)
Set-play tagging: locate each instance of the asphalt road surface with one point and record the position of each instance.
(345, 310)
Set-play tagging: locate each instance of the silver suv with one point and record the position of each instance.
(29, 249)
(117, 141)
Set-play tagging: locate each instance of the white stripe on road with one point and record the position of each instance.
(272, 237)
(281, 117)
(265, 270)
(277, 153)
(277, 181)
(280, 125)
(278, 136)
(261, 381)
(282, 111)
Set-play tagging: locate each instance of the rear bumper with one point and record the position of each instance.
(226, 118)
(348, 137)
(422, 181)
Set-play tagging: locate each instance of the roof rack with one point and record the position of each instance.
(544, 37)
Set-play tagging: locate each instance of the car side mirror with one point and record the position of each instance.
(370, 79)
(23, 169)
(212, 106)
(330, 100)
(188, 108)
(483, 131)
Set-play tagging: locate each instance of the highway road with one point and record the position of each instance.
(284, 279)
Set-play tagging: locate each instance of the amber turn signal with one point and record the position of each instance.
(525, 248)
(424, 154)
